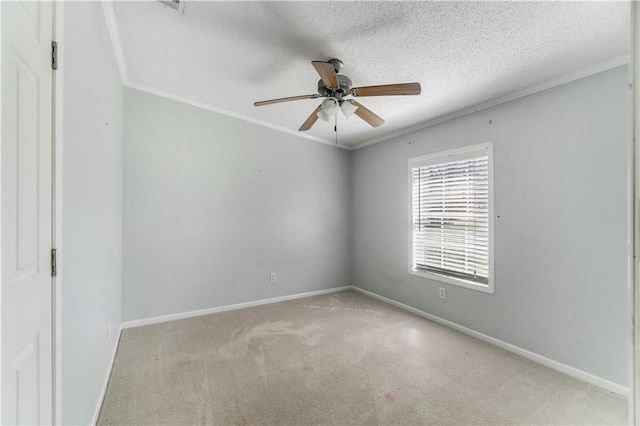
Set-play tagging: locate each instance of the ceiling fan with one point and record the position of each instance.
(336, 87)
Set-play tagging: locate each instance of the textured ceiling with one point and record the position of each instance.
(230, 54)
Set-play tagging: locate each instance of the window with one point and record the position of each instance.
(451, 226)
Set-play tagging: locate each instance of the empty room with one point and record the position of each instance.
(316, 212)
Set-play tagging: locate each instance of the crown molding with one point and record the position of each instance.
(203, 105)
(114, 33)
(112, 26)
(558, 81)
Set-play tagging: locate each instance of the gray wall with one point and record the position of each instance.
(91, 244)
(213, 204)
(560, 228)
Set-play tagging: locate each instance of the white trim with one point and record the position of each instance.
(558, 81)
(446, 279)
(634, 218)
(567, 78)
(96, 414)
(114, 32)
(189, 314)
(547, 362)
(457, 154)
(116, 40)
(555, 365)
(112, 25)
(57, 201)
(189, 101)
(439, 157)
(1, 251)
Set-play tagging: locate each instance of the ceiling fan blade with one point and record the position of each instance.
(311, 120)
(291, 98)
(327, 73)
(367, 115)
(388, 90)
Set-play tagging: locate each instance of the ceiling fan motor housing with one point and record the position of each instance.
(343, 90)
(337, 64)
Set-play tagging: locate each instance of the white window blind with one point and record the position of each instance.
(450, 215)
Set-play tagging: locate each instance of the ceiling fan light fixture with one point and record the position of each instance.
(324, 116)
(333, 87)
(330, 106)
(328, 109)
(348, 109)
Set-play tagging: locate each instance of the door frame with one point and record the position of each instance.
(634, 206)
(58, 111)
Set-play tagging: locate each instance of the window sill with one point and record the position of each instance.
(455, 281)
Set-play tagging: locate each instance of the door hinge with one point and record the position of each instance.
(54, 263)
(54, 55)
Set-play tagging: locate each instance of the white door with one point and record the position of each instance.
(26, 215)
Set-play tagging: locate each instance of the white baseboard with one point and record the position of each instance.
(164, 318)
(547, 362)
(555, 365)
(181, 315)
(96, 414)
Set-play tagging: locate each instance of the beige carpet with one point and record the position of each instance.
(342, 358)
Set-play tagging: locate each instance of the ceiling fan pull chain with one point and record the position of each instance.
(335, 128)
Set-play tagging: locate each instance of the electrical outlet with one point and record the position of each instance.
(443, 293)
(272, 277)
